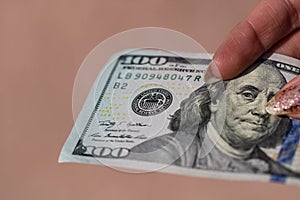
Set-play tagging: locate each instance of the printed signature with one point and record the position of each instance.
(111, 124)
(119, 136)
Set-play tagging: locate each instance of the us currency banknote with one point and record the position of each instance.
(150, 110)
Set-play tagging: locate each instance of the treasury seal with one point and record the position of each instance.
(151, 102)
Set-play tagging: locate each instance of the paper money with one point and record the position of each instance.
(151, 111)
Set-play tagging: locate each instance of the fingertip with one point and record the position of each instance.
(226, 68)
(212, 74)
(232, 58)
(286, 102)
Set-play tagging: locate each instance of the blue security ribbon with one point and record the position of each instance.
(288, 149)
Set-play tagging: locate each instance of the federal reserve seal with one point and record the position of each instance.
(151, 102)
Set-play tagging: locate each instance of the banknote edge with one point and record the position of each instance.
(66, 156)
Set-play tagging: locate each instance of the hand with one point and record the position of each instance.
(273, 26)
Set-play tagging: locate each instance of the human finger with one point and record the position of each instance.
(269, 22)
(287, 100)
(289, 46)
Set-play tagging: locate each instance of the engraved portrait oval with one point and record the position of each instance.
(152, 102)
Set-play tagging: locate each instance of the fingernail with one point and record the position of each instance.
(285, 102)
(212, 74)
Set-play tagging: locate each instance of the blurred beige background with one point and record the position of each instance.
(42, 44)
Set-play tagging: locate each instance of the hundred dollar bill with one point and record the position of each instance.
(151, 111)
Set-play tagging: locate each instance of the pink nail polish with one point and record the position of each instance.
(285, 102)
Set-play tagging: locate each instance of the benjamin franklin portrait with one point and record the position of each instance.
(224, 126)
